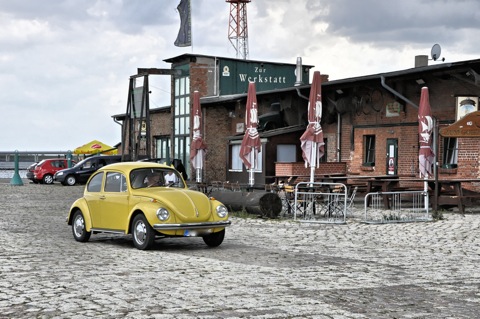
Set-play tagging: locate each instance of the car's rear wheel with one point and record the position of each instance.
(78, 227)
(214, 239)
(48, 179)
(143, 233)
(70, 180)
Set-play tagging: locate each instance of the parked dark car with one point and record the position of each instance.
(30, 170)
(82, 171)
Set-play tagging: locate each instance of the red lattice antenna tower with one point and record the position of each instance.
(238, 28)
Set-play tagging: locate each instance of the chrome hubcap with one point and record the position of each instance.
(140, 232)
(78, 226)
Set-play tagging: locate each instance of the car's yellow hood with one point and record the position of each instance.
(187, 205)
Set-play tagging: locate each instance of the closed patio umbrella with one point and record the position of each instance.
(426, 155)
(312, 140)
(198, 147)
(251, 145)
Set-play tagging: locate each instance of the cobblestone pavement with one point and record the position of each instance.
(264, 268)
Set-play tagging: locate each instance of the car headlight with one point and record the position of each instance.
(222, 211)
(162, 214)
(59, 173)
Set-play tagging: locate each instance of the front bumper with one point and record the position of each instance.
(205, 225)
(59, 178)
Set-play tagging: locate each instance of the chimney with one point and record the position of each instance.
(298, 72)
(421, 60)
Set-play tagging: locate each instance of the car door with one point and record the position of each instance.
(87, 169)
(114, 206)
(94, 197)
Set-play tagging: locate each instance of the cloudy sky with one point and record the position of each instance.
(65, 64)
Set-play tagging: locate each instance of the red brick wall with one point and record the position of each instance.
(217, 127)
(298, 168)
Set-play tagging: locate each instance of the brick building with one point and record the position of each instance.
(368, 121)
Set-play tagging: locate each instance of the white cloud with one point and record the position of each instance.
(65, 64)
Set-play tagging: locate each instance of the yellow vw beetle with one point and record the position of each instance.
(147, 200)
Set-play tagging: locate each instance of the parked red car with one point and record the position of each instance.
(46, 168)
(30, 171)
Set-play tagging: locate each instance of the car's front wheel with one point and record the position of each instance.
(214, 239)
(70, 180)
(143, 233)
(48, 179)
(78, 227)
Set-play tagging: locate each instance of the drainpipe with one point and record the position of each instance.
(301, 95)
(382, 79)
(339, 132)
(215, 70)
(298, 72)
(299, 78)
(115, 120)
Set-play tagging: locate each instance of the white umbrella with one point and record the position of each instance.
(198, 147)
(251, 145)
(312, 142)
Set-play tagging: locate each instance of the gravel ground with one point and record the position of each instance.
(264, 268)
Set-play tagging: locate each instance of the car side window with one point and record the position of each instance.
(115, 182)
(95, 184)
(87, 164)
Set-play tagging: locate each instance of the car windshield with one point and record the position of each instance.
(155, 177)
(85, 163)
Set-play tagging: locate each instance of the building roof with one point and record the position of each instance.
(161, 109)
(186, 56)
(437, 68)
(464, 70)
(243, 96)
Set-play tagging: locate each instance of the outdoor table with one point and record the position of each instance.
(379, 183)
(447, 188)
(452, 187)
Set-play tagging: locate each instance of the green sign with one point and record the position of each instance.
(235, 75)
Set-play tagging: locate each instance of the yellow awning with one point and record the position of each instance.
(95, 147)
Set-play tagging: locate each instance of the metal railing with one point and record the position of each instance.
(405, 207)
(319, 203)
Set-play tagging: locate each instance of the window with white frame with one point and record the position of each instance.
(236, 162)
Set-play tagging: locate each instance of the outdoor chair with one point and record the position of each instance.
(217, 186)
(235, 187)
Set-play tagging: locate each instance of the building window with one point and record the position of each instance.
(369, 150)
(181, 132)
(323, 159)
(286, 153)
(450, 151)
(236, 162)
(259, 167)
(163, 147)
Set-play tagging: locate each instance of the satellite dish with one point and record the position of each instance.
(436, 51)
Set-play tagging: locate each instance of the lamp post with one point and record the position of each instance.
(16, 180)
